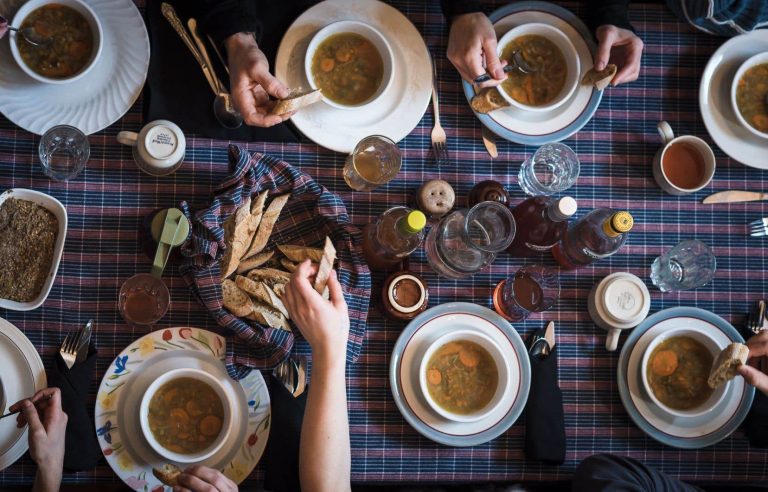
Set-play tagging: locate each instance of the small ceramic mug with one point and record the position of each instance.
(158, 148)
(619, 302)
(669, 139)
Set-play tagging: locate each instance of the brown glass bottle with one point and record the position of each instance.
(392, 237)
(541, 222)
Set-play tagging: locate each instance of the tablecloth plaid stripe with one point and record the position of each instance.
(107, 203)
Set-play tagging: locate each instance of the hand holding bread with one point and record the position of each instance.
(755, 371)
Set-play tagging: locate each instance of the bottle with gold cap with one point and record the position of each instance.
(392, 237)
(597, 235)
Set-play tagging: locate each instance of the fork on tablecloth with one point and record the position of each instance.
(438, 134)
(759, 227)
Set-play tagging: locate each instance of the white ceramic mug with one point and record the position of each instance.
(668, 137)
(158, 148)
(619, 302)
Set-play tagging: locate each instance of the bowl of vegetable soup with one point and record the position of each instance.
(675, 368)
(464, 375)
(75, 42)
(185, 415)
(749, 94)
(351, 63)
(552, 56)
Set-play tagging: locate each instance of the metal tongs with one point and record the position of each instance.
(542, 341)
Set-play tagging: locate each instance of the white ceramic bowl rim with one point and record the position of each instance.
(496, 354)
(226, 427)
(571, 59)
(750, 62)
(379, 41)
(82, 8)
(699, 335)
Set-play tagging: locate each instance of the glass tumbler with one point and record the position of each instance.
(553, 168)
(688, 265)
(144, 300)
(63, 152)
(531, 289)
(375, 161)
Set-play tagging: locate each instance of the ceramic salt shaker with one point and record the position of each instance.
(619, 302)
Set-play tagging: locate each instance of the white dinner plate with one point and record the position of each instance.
(680, 432)
(396, 113)
(715, 100)
(22, 372)
(93, 102)
(538, 128)
(128, 377)
(406, 360)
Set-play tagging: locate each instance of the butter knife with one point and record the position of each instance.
(735, 197)
(85, 342)
(489, 140)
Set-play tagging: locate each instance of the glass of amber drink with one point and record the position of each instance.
(375, 161)
(532, 289)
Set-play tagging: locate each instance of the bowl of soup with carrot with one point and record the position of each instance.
(553, 63)
(351, 63)
(73, 40)
(749, 94)
(185, 415)
(463, 375)
(675, 369)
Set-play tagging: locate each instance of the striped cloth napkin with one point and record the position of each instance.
(311, 214)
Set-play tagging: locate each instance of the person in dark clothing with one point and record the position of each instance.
(472, 40)
(612, 473)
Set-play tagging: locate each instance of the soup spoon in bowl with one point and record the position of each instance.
(28, 33)
(518, 63)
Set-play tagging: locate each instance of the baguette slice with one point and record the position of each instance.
(296, 101)
(724, 368)
(297, 254)
(326, 265)
(235, 299)
(168, 474)
(600, 79)
(270, 276)
(254, 261)
(487, 100)
(268, 221)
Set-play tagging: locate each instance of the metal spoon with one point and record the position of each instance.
(28, 33)
(518, 63)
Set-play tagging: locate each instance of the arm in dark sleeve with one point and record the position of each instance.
(613, 12)
(224, 18)
(452, 8)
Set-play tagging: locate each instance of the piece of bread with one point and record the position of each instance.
(297, 254)
(235, 299)
(325, 267)
(600, 79)
(288, 264)
(724, 368)
(296, 101)
(271, 276)
(168, 474)
(487, 100)
(268, 221)
(254, 261)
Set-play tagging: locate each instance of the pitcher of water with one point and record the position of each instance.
(466, 241)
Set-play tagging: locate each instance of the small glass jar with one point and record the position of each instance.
(405, 295)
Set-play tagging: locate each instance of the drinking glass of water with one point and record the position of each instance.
(63, 152)
(553, 168)
(688, 265)
(375, 161)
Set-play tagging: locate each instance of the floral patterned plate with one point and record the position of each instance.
(126, 380)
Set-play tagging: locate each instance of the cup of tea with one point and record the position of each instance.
(158, 149)
(684, 164)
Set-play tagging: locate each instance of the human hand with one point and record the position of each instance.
(325, 324)
(203, 479)
(251, 83)
(755, 371)
(47, 428)
(471, 39)
(621, 47)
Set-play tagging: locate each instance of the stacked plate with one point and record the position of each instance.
(22, 376)
(538, 128)
(681, 432)
(409, 352)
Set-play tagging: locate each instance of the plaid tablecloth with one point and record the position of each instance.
(107, 203)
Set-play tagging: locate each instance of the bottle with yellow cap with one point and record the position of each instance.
(597, 235)
(392, 237)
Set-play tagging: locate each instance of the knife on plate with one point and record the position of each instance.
(733, 196)
(489, 140)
